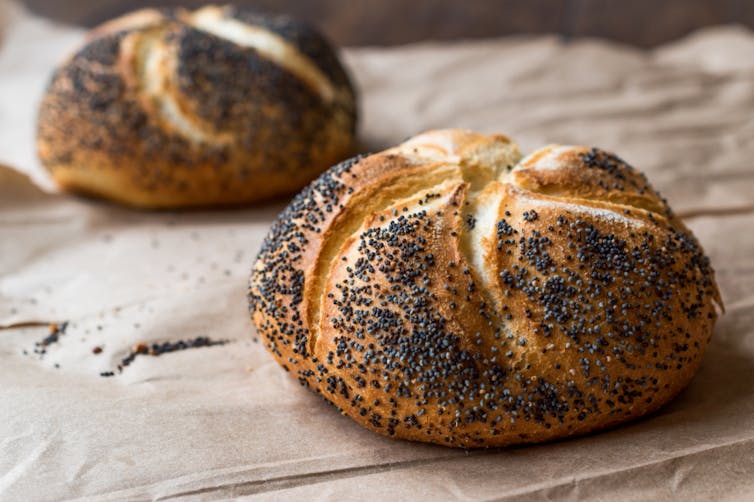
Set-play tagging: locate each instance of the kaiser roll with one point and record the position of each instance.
(170, 108)
(449, 291)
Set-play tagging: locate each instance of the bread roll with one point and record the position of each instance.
(450, 291)
(170, 108)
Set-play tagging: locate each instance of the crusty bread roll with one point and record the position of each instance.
(170, 108)
(449, 291)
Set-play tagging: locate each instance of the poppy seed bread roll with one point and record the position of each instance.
(450, 291)
(171, 108)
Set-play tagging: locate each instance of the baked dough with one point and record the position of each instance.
(450, 291)
(171, 108)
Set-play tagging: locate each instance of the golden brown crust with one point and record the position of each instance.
(167, 108)
(448, 291)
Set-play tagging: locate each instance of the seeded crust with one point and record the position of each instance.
(449, 291)
(249, 127)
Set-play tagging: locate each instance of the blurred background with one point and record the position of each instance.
(643, 23)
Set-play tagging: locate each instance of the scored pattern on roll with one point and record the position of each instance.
(155, 64)
(266, 43)
(154, 68)
(449, 291)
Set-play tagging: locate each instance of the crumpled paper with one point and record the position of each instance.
(226, 421)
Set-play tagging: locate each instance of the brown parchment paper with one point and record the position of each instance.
(226, 421)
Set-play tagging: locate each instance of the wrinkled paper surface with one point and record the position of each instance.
(226, 421)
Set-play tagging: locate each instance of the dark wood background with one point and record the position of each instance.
(644, 23)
